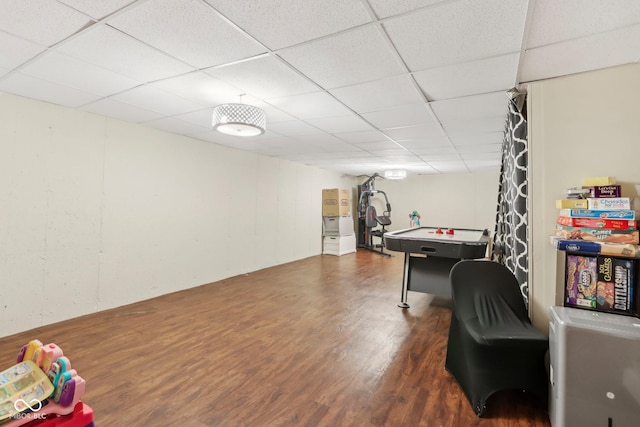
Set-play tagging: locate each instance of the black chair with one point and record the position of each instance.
(492, 344)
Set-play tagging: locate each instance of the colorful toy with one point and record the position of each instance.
(414, 219)
(42, 390)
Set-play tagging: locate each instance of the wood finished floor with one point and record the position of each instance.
(317, 342)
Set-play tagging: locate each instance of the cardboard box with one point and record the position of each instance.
(336, 202)
(616, 284)
(572, 204)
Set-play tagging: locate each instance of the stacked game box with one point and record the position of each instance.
(615, 289)
(597, 213)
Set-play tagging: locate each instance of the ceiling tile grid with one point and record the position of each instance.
(355, 86)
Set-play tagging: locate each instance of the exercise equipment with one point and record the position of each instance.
(368, 218)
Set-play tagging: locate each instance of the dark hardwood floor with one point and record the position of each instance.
(317, 342)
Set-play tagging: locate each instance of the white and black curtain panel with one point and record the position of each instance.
(510, 237)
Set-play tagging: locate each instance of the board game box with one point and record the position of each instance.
(616, 284)
(597, 234)
(581, 281)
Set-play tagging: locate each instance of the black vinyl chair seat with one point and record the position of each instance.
(496, 324)
(492, 344)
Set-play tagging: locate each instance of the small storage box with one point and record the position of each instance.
(339, 245)
(337, 225)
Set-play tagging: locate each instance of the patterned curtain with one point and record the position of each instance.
(510, 237)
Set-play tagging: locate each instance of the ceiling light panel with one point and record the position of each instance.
(264, 77)
(554, 21)
(188, 30)
(109, 48)
(379, 94)
(65, 70)
(282, 23)
(459, 31)
(344, 59)
(32, 20)
(469, 78)
(97, 9)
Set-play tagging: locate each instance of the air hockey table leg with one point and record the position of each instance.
(405, 283)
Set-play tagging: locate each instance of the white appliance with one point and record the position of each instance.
(594, 369)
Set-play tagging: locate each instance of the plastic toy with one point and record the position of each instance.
(42, 390)
(414, 219)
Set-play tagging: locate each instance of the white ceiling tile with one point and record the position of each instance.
(377, 146)
(119, 110)
(325, 140)
(459, 31)
(200, 88)
(344, 59)
(439, 151)
(471, 107)
(553, 21)
(30, 87)
(469, 78)
(473, 127)
(264, 77)
(293, 128)
(425, 155)
(386, 8)
(202, 118)
(4, 71)
(14, 51)
(379, 94)
(407, 115)
(415, 132)
(423, 170)
(113, 50)
(477, 138)
(478, 151)
(97, 9)
(154, 99)
(45, 22)
(188, 30)
(367, 136)
(598, 51)
(449, 167)
(431, 143)
(310, 105)
(281, 23)
(351, 123)
(65, 70)
(174, 125)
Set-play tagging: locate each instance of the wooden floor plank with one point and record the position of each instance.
(316, 342)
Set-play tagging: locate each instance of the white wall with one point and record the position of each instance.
(96, 213)
(579, 126)
(447, 200)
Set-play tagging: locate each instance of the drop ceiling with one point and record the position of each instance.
(354, 86)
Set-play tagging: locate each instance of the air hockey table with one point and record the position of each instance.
(429, 254)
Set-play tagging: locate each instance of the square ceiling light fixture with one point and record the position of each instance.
(239, 120)
(395, 174)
